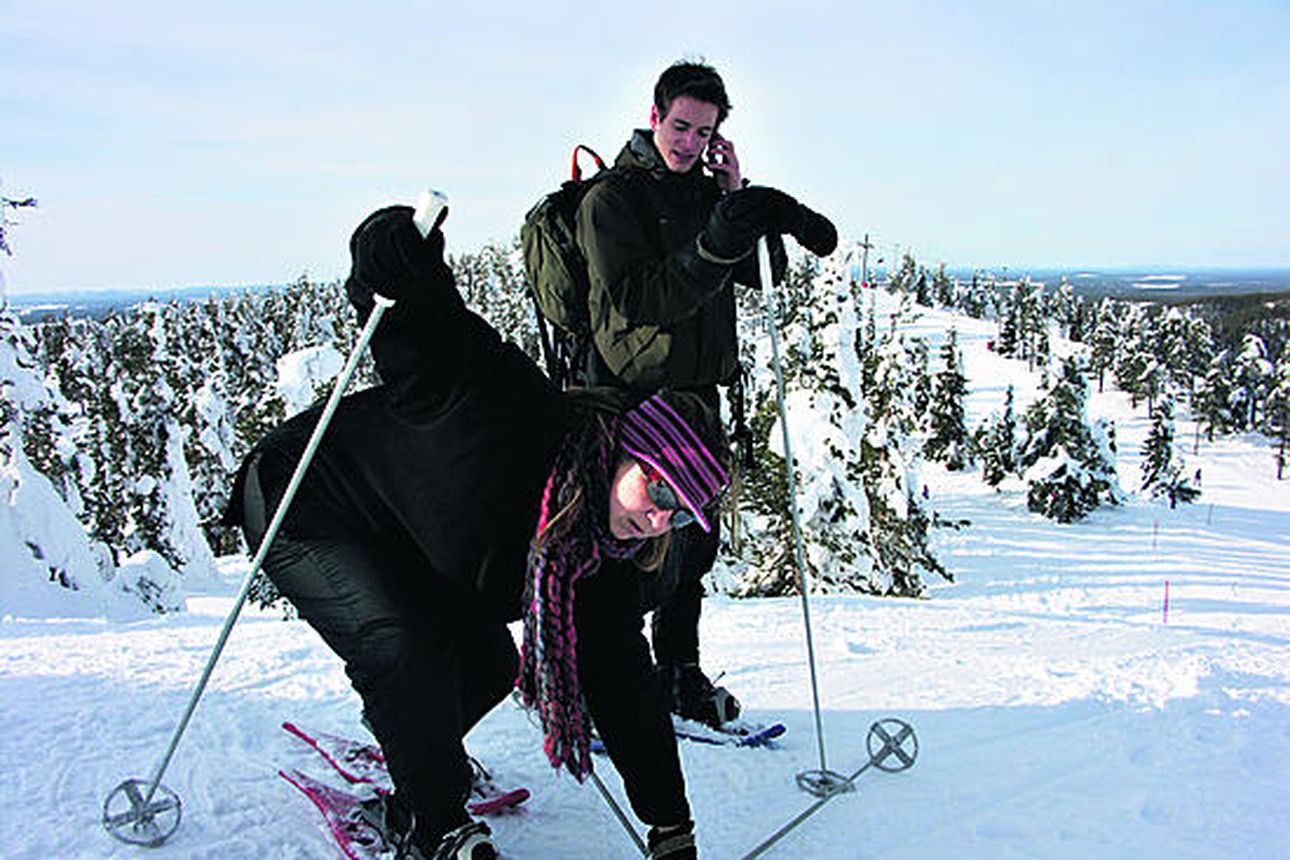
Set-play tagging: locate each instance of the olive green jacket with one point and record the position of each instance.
(652, 323)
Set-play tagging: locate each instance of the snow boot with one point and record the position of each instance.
(468, 842)
(398, 826)
(672, 843)
(692, 696)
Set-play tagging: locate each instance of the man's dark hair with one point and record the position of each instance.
(699, 81)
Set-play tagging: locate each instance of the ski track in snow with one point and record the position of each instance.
(1059, 713)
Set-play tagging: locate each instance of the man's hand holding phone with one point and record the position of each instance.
(723, 163)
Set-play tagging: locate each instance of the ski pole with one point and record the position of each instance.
(824, 778)
(619, 814)
(142, 813)
(888, 739)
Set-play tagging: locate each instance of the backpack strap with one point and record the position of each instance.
(575, 171)
(566, 354)
(550, 343)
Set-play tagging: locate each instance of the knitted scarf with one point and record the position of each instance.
(548, 678)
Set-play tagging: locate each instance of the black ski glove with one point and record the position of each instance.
(391, 258)
(742, 216)
(673, 843)
(707, 273)
(814, 232)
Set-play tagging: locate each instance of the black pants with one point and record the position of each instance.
(426, 666)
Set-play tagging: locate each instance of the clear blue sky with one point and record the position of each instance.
(176, 143)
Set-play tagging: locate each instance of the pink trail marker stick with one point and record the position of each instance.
(1166, 610)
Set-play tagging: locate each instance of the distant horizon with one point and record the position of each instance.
(64, 295)
(1113, 269)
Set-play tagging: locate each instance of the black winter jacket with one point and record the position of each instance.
(448, 458)
(654, 326)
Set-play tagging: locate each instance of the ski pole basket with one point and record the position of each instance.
(139, 814)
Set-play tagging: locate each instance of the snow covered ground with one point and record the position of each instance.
(1061, 713)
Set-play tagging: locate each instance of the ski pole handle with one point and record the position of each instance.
(429, 210)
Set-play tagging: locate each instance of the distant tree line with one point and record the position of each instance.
(146, 413)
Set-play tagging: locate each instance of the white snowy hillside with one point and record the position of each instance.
(1117, 687)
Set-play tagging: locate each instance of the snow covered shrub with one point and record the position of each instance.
(53, 567)
(947, 439)
(1163, 470)
(1061, 488)
(151, 580)
(995, 443)
(1067, 461)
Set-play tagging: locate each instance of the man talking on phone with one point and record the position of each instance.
(665, 234)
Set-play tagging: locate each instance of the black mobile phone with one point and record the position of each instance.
(715, 157)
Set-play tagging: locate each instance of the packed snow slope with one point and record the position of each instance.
(1062, 710)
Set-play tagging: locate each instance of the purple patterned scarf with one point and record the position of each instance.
(548, 679)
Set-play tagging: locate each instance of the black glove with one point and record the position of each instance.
(673, 843)
(707, 273)
(392, 259)
(742, 216)
(814, 232)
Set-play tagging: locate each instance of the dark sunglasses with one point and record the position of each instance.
(665, 498)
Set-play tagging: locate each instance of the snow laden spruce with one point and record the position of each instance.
(46, 549)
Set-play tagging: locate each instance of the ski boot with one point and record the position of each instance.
(398, 827)
(396, 824)
(692, 696)
(468, 842)
(672, 843)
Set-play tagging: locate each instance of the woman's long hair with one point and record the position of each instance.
(571, 540)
